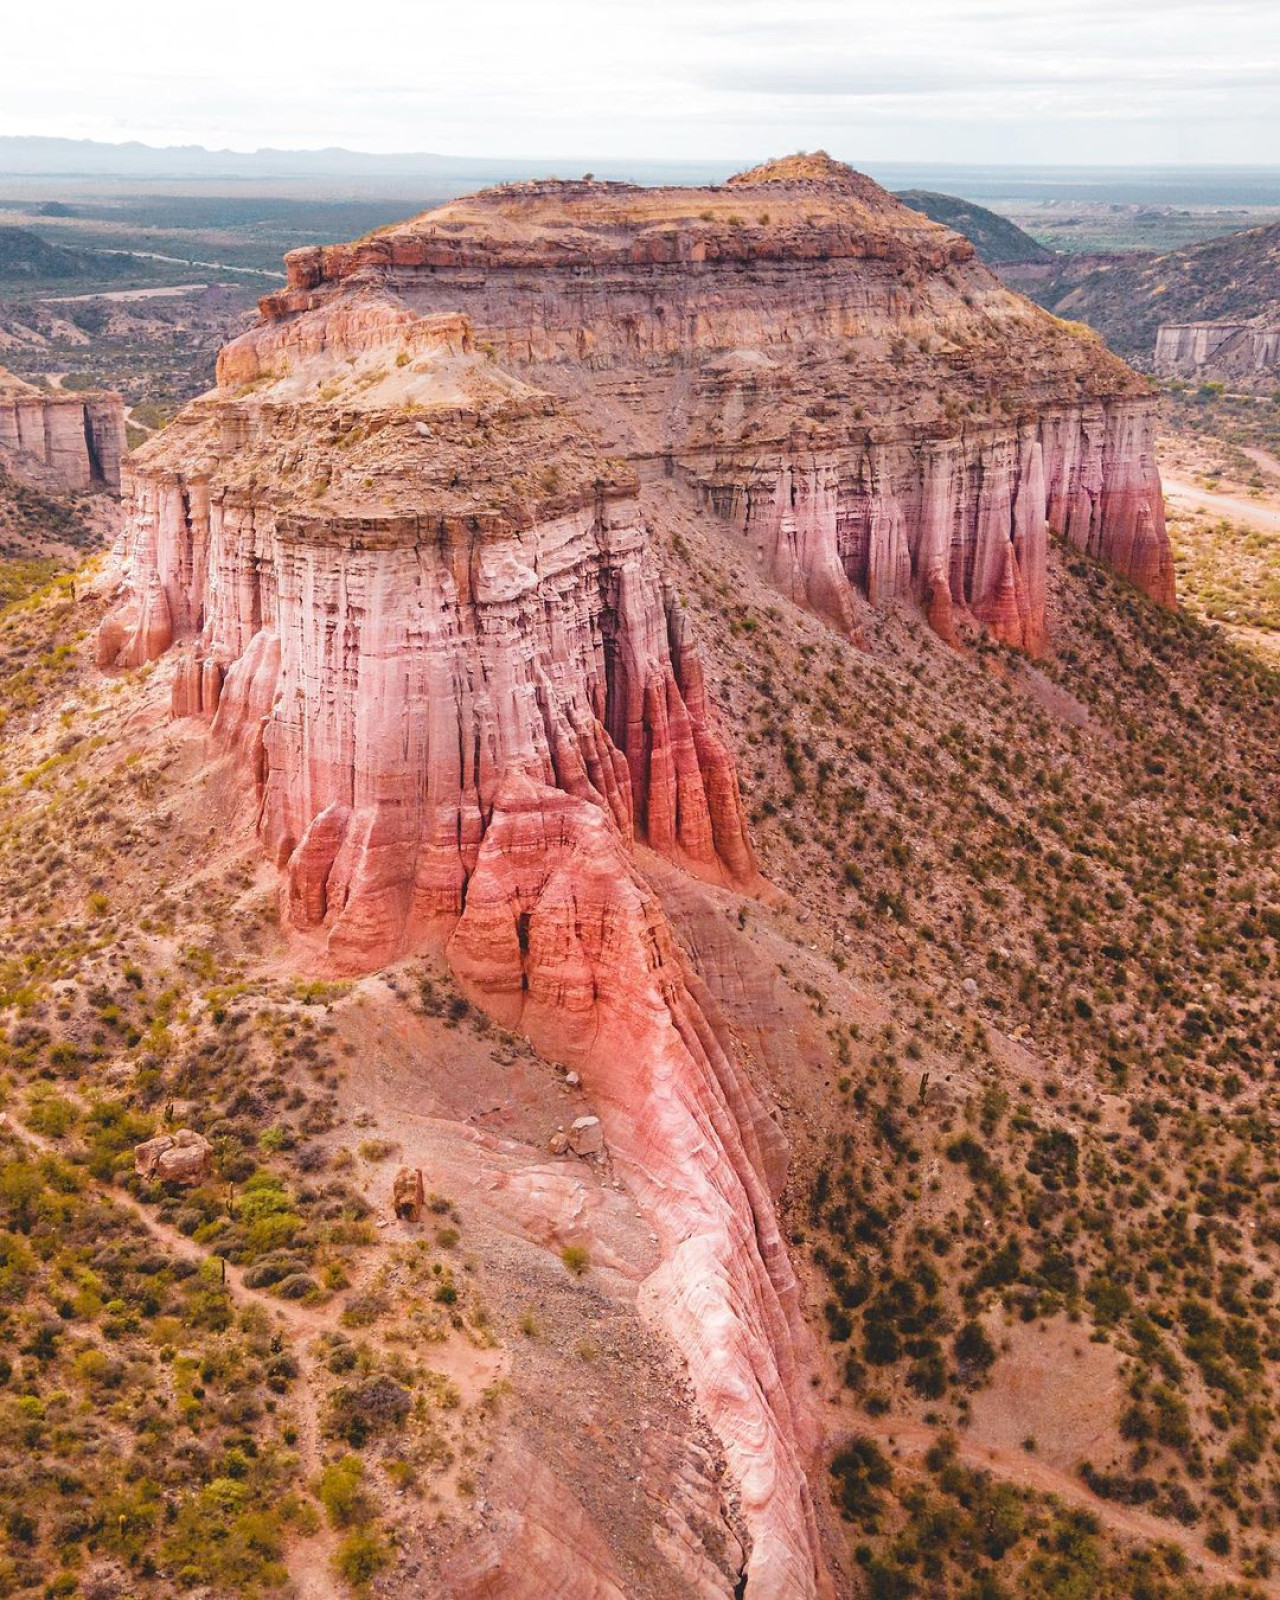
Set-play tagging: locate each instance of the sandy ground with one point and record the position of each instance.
(1262, 514)
(1207, 484)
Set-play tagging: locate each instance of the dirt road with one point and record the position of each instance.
(1252, 513)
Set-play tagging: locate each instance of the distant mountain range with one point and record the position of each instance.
(30, 156)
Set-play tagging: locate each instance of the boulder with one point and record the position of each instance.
(183, 1157)
(586, 1137)
(407, 1194)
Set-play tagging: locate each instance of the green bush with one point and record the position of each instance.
(360, 1557)
(342, 1494)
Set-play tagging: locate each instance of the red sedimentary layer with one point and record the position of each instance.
(562, 939)
(870, 408)
(382, 677)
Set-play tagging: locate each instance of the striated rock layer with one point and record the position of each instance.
(61, 441)
(1246, 351)
(562, 939)
(381, 673)
(402, 551)
(876, 414)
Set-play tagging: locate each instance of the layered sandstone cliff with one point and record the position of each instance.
(399, 581)
(839, 376)
(60, 440)
(403, 557)
(1246, 351)
(425, 616)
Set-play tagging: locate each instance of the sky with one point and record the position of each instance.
(1073, 82)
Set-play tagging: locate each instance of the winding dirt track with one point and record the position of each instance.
(309, 1560)
(1250, 512)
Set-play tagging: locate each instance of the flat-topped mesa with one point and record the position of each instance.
(60, 440)
(876, 415)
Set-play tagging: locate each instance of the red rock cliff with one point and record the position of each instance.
(839, 376)
(423, 610)
(397, 594)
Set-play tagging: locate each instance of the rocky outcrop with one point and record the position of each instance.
(866, 403)
(380, 675)
(61, 440)
(407, 1195)
(183, 1157)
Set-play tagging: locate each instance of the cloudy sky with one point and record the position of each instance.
(1067, 81)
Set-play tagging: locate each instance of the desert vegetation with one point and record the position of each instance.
(1064, 876)
(200, 1381)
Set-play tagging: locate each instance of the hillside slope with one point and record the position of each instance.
(27, 261)
(1014, 1011)
(996, 239)
(1235, 278)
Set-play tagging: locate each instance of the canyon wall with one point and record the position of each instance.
(381, 676)
(960, 525)
(1241, 351)
(873, 410)
(61, 440)
(457, 723)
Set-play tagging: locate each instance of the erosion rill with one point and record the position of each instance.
(402, 555)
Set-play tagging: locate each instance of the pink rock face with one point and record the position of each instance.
(896, 519)
(63, 441)
(379, 686)
(562, 939)
(378, 798)
(1245, 352)
(789, 294)
(542, 1543)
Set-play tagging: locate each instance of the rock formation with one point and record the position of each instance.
(184, 1157)
(837, 376)
(387, 614)
(562, 939)
(407, 1196)
(1243, 351)
(405, 550)
(71, 440)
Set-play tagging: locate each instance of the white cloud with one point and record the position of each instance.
(1075, 82)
